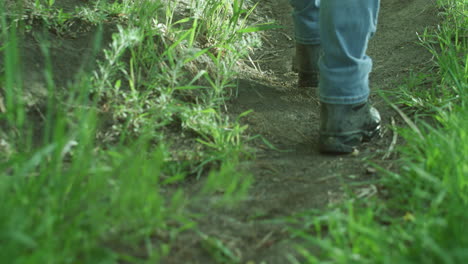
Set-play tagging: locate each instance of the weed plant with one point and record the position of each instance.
(423, 217)
(83, 184)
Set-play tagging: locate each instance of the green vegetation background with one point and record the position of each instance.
(82, 173)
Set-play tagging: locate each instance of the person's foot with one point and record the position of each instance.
(306, 64)
(344, 127)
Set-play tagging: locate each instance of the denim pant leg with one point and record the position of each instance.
(306, 21)
(345, 29)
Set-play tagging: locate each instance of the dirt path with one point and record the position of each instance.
(300, 178)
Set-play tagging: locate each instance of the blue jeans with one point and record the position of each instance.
(343, 29)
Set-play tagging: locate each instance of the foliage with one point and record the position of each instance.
(85, 185)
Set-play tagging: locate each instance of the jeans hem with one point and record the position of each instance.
(344, 100)
(308, 41)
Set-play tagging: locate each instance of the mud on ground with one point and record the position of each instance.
(299, 178)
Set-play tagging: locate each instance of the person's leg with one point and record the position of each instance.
(346, 118)
(345, 29)
(307, 35)
(306, 21)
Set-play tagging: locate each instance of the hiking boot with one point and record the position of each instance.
(344, 127)
(306, 65)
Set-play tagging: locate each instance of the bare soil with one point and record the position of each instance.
(290, 181)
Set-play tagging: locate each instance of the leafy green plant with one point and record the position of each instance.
(85, 184)
(218, 250)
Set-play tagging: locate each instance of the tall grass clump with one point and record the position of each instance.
(63, 199)
(180, 73)
(88, 177)
(422, 217)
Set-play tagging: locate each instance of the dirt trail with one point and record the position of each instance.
(300, 178)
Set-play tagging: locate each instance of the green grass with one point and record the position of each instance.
(83, 184)
(420, 216)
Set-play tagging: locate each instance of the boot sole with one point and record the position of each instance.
(346, 144)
